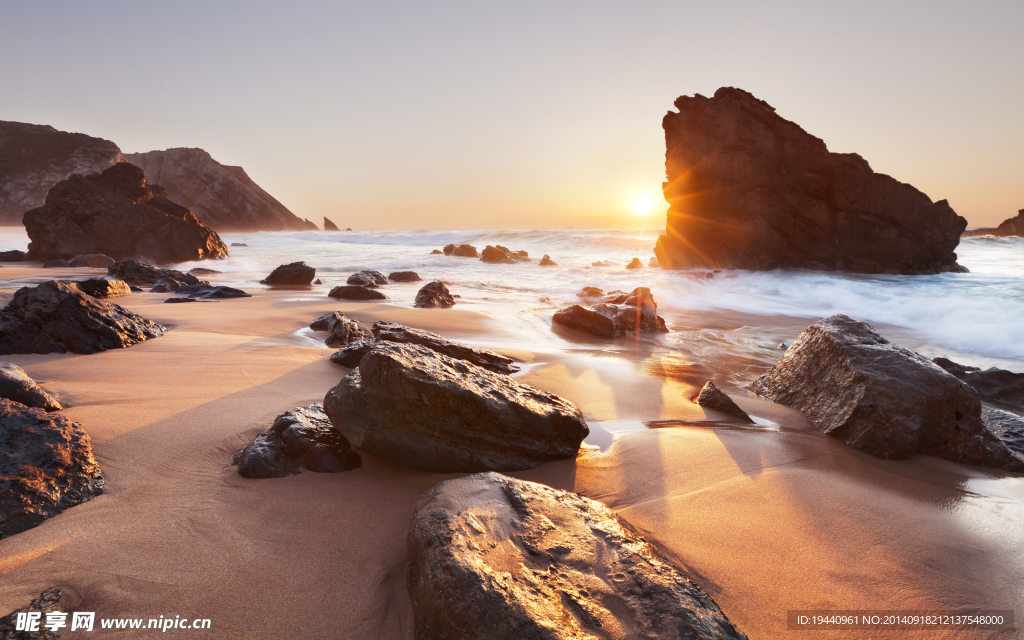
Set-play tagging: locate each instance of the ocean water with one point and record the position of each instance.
(740, 316)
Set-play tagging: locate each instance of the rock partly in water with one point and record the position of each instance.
(166, 285)
(880, 398)
(428, 411)
(711, 397)
(141, 274)
(392, 332)
(350, 355)
(203, 271)
(436, 252)
(117, 214)
(590, 292)
(239, 244)
(434, 295)
(222, 197)
(104, 287)
(546, 261)
(341, 330)
(635, 264)
(330, 226)
(17, 386)
(502, 255)
(13, 255)
(653, 262)
(295, 273)
(46, 466)
(750, 190)
(626, 314)
(1009, 228)
(404, 276)
(462, 251)
(992, 384)
(210, 292)
(56, 317)
(496, 557)
(357, 293)
(302, 437)
(1008, 427)
(367, 278)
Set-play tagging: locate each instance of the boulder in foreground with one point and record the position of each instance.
(431, 412)
(750, 190)
(712, 397)
(393, 332)
(56, 317)
(992, 384)
(495, 557)
(880, 398)
(627, 314)
(358, 293)
(295, 273)
(302, 437)
(17, 386)
(46, 466)
(117, 214)
(434, 295)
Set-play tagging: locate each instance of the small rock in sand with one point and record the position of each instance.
(17, 386)
(302, 437)
(712, 398)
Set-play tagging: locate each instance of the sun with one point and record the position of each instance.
(641, 206)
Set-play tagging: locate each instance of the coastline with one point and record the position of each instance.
(766, 518)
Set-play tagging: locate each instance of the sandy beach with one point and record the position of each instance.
(765, 518)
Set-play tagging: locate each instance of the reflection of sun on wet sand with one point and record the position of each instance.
(764, 518)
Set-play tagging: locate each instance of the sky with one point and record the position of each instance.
(521, 114)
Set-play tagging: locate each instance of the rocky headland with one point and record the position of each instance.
(751, 190)
(1009, 228)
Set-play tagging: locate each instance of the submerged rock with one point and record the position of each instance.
(462, 251)
(17, 386)
(56, 318)
(880, 398)
(295, 273)
(502, 255)
(404, 276)
(367, 278)
(104, 287)
(46, 466)
(436, 252)
(434, 295)
(590, 292)
(635, 264)
(142, 274)
(997, 385)
(712, 398)
(625, 314)
(496, 557)
(653, 262)
(358, 293)
(203, 271)
(210, 292)
(750, 190)
(428, 411)
(546, 261)
(239, 244)
(392, 332)
(302, 437)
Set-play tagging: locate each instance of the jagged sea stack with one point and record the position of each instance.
(751, 190)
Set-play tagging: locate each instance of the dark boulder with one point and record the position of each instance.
(239, 244)
(992, 384)
(392, 332)
(635, 264)
(57, 263)
(46, 466)
(166, 285)
(428, 411)
(12, 256)
(116, 213)
(341, 330)
(295, 273)
(330, 226)
(750, 190)
(203, 271)
(178, 300)
(496, 557)
(93, 260)
(141, 274)
(502, 255)
(462, 251)
(302, 437)
(404, 276)
(626, 314)
(357, 293)
(434, 295)
(46, 602)
(546, 261)
(712, 397)
(880, 398)
(367, 278)
(17, 386)
(56, 318)
(210, 292)
(104, 287)
(350, 355)
(1008, 427)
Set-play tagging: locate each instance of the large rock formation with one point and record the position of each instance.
(34, 157)
(1009, 228)
(495, 557)
(46, 466)
(750, 190)
(57, 317)
(223, 198)
(428, 411)
(117, 214)
(302, 437)
(880, 398)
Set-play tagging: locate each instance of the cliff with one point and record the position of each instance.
(1011, 227)
(35, 157)
(222, 197)
(748, 189)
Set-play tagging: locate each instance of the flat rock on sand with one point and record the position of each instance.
(393, 332)
(17, 386)
(46, 466)
(880, 398)
(495, 557)
(302, 437)
(431, 412)
(143, 274)
(56, 317)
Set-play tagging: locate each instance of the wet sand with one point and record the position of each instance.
(766, 519)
